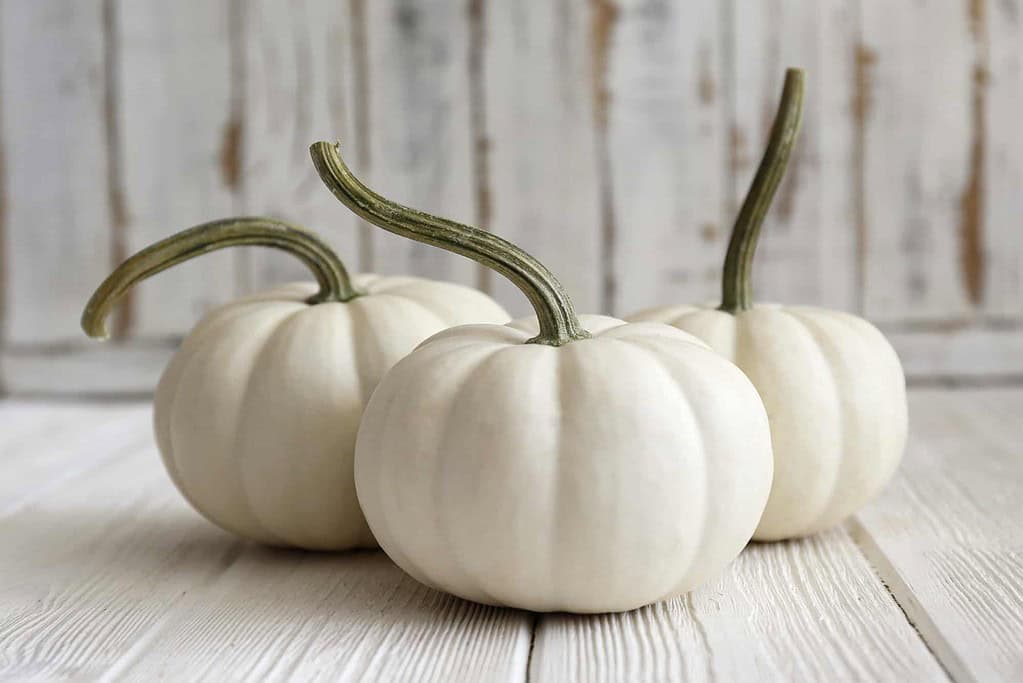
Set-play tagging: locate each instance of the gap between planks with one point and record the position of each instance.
(811, 609)
(902, 595)
(946, 534)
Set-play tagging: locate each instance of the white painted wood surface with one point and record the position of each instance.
(916, 147)
(1003, 163)
(960, 353)
(541, 186)
(54, 212)
(107, 575)
(809, 610)
(666, 108)
(947, 536)
(613, 138)
(173, 84)
(808, 249)
(420, 152)
(282, 615)
(128, 369)
(298, 85)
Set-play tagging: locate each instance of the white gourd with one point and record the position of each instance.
(600, 475)
(545, 466)
(833, 386)
(256, 414)
(836, 398)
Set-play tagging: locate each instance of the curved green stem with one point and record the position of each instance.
(335, 285)
(736, 284)
(558, 322)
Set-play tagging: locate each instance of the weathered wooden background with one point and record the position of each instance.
(612, 138)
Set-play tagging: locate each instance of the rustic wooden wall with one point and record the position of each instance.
(613, 138)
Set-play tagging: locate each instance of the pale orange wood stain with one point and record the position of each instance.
(604, 15)
(972, 259)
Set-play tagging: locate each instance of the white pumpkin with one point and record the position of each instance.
(600, 475)
(541, 466)
(256, 414)
(832, 384)
(836, 398)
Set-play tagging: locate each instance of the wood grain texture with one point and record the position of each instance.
(287, 615)
(613, 138)
(420, 142)
(541, 143)
(42, 444)
(174, 111)
(797, 611)
(666, 108)
(299, 88)
(947, 535)
(917, 148)
(96, 559)
(57, 218)
(807, 252)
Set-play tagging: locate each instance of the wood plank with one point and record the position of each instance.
(540, 141)
(667, 152)
(42, 444)
(807, 252)
(286, 615)
(1003, 160)
(19, 418)
(946, 535)
(960, 353)
(57, 217)
(298, 89)
(174, 128)
(802, 610)
(420, 145)
(88, 369)
(919, 62)
(96, 561)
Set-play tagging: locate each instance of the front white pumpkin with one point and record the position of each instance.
(257, 413)
(836, 398)
(597, 476)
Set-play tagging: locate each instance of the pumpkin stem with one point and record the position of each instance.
(558, 322)
(335, 284)
(737, 281)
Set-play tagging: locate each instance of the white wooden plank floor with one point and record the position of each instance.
(105, 574)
